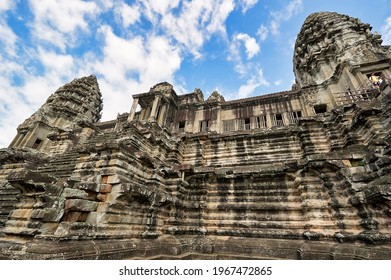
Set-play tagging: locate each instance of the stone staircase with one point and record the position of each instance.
(61, 166)
(9, 197)
(325, 203)
(315, 205)
(314, 140)
(258, 207)
(264, 147)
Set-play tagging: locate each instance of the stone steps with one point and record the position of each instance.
(21, 227)
(261, 149)
(272, 206)
(264, 232)
(251, 200)
(9, 197)
(61, 165)
(300, 225)
(314, 140)
(254, 216)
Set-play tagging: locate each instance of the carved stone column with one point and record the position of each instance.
(155, 105)
(161, 116)
(133, 110)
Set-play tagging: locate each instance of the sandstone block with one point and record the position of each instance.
(37, 214)
(80, 205)
(21, 213)
(105, 188)
(101, 197)
(88, 186)
(74, 193)
(53, 215)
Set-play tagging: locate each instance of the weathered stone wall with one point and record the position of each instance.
(153, 184)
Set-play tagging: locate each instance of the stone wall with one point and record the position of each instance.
(148, 186)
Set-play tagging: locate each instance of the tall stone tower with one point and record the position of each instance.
(335, 55)
(77, 103)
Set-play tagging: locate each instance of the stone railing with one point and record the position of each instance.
(349, 97)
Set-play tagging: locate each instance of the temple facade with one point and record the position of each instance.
(299, 174)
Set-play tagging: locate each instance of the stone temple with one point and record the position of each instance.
(300, 174)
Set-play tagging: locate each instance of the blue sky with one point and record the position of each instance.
(239, 47)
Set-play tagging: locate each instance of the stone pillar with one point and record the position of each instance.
(269, 122)
(285, 118)
(218, 128)
(160, 118)
(133, 110)
(17, 140)
(156, 102)
(29, 138)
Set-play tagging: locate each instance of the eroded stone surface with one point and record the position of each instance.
(301, 174)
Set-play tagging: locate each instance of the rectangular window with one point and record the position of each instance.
(244, 124)
(229, 125)
(294, 117)
(37, 143)
(181, 126)
(261, 121)
(278, 120)
(320, 109)
(247, 125)
(204, 125)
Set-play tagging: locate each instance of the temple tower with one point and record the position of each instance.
(73, 105)
(336, 55)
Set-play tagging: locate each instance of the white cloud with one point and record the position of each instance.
(161, 6)
(386, 32)
(105, 4)
(128, 14)
(262, 32)
(294, 7)
(247, 4)
(130, 66)
(236, 57)
(196, 22)
(252, 48)
(219, 16)
(162, 61)
(252, 84)
(57, 64)
(121, 56)
(7, 38)
(57, 21)
(278, 82)
(7, 5)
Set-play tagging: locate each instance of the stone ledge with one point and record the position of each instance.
(196, 247)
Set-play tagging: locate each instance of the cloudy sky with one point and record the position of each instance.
(239, 47)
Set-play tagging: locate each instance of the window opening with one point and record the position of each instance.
(229, 125)
(278, 121)
(37, 143)
(261, 121)
(320, 109)
(247, 124)
(181, 126)
(204, 125)
(294, 117)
